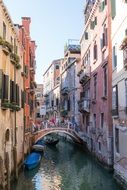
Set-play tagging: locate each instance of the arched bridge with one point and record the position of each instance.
(55, 129)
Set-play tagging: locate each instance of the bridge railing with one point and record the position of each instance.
(48, 125)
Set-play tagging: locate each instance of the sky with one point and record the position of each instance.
(53, 22)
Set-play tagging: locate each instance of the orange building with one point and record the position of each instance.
(28, 74)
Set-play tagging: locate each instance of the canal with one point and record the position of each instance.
(66, 167)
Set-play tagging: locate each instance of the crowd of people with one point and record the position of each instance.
(55, 122)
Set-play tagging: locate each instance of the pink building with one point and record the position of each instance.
(95, 78)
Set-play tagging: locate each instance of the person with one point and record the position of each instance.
(33, 127)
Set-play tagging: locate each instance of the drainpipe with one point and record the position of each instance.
(23, 113)
(15, 139)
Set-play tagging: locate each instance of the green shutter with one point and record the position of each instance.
(1, 80)
(14, 91)
(95, 21)
(6, 86)
(113, 8)
(102, 6)
(10, 90)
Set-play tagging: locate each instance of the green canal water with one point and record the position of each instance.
(66, 167)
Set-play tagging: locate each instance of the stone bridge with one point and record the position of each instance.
(48, 130)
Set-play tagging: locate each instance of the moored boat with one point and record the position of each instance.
(32, 160)
(38, 148)
(51, 141)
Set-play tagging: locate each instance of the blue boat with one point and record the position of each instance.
(32, 160)
(40, 142)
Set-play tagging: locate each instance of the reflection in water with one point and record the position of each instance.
(66, 167)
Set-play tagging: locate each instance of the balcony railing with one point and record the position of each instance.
(72, 46)
(84, 105)
(85, 75)
(125, 57)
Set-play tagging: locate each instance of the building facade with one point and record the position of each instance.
(52, 89)
(39, 102)
(11, 110)
(28, 75)
(69, 88)
(95, 77)
(119, 88)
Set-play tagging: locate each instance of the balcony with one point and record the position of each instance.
(64, 91)
(84, 75)
(125, 57)
(84, 105)
(72, 46)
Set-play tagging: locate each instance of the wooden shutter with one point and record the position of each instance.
(11, 95)
(106, 36)
(1, 82)
(6, 86)
(13, 92)
(17, 94)
(22, 100)
(113, 8)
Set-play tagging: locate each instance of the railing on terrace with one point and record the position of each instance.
(72, 45)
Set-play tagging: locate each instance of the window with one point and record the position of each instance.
(99, 146)
(95, 51)
(69, 105)
(117, 139)
(57, 67)
(104, 38)
(102, 120)
(94, 120)
(38, 115)
(86, 35)
(5, 82)
(52, 103)
(105, 81)
(115, 100)
(83, 118)
(57, 101)
(87, 123)
(95, 86)
(4, 31)
(37, 103)
(93, 23)
(114, 58)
